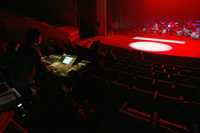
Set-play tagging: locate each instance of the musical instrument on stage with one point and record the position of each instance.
(187, 29)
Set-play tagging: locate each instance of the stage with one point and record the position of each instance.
(178, 45)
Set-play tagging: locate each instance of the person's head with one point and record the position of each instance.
(13, 46)
(33, 36)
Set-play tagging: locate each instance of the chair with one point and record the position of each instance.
(135, 113)
(144, 82)
(110, 74)
(162, 76)
(188, 91)
(139, 104)
(115, 95)
(179, 78)
(174, 116)
(7, 118)
(144, 71)
(167, 88)
(125, 78)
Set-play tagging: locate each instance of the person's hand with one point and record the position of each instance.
(50, 68)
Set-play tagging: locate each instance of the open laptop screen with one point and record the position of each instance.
(67, 60)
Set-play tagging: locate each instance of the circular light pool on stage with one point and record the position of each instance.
(150, 46)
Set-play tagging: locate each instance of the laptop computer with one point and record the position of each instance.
(68, 60)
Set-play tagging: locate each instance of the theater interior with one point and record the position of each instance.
(105, 66)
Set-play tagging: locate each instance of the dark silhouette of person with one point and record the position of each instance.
(27, 67)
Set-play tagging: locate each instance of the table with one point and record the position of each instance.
(54, 64)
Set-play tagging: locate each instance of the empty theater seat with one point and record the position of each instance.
(162, 93)
(176, 115)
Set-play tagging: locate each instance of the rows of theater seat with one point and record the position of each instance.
(165, 95)
(171, 81)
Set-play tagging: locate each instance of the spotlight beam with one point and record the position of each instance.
(151, 46)
(159, 40)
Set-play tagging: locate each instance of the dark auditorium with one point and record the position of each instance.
(99, 66)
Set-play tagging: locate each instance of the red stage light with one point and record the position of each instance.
(159, 40)
(150, 46)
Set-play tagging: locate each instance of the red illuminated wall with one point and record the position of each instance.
(133, 12)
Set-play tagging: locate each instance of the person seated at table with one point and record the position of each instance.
(27, 66)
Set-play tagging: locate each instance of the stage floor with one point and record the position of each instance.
(190, 47)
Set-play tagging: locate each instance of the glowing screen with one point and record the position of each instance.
(67, 60)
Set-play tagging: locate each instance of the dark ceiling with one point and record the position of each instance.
(59, 12)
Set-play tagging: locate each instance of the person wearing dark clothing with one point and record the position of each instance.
(27, 66)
